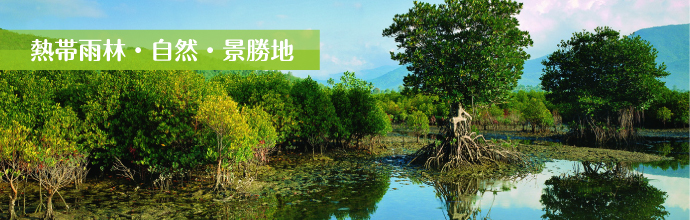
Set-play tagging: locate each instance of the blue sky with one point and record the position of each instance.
(350, 30)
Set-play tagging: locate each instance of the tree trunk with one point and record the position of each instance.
(49, 209)
(218, 172)
(13, 199)
(452, 115)
(24, 196)
(13, 214)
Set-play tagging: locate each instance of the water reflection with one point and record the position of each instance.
(602, 191)
(674, 168)
(462, 197)
(563, 190)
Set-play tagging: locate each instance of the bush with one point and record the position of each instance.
(316, 112)
(264, 135)
(359, 113)
(268, 90)
(536, 113)
(419, 123)
(233, 135)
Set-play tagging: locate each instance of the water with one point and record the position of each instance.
(387, 189)
(561, 190)
(673, 181)
(525, 198)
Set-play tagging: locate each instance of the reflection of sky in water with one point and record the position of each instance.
(517, 203)
(677, 189)
(520, 202)
(681, 170)
(409, 201)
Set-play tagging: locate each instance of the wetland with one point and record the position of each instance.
(568, 182)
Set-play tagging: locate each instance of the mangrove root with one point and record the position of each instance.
(461, 147)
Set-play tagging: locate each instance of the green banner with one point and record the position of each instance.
(159, 50)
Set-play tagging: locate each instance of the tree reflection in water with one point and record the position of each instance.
(460, 196)
(602, 191)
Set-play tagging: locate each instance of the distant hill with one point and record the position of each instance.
(15, 41)
(670, 41)
(374, 73)
(391, 80)
(367, 74)
(394, 78)
(531, 72)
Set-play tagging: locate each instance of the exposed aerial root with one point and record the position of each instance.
(463, 147)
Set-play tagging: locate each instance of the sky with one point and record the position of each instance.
(351, 38)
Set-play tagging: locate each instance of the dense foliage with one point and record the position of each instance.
(461, 50)
(172, 121)
(268, 90)
(674, 106)
(316, 114)
(604, 79)
(359, 113)
(521, 109)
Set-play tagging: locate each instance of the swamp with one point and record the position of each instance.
(600, 136)
(567, 182)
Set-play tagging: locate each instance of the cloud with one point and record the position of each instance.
(528, 191)
(549, 21)
(282, 16)
(356, 61)
(543, 6)
(679, 186)
(352, 62)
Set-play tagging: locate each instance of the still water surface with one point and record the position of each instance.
(665, 194)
